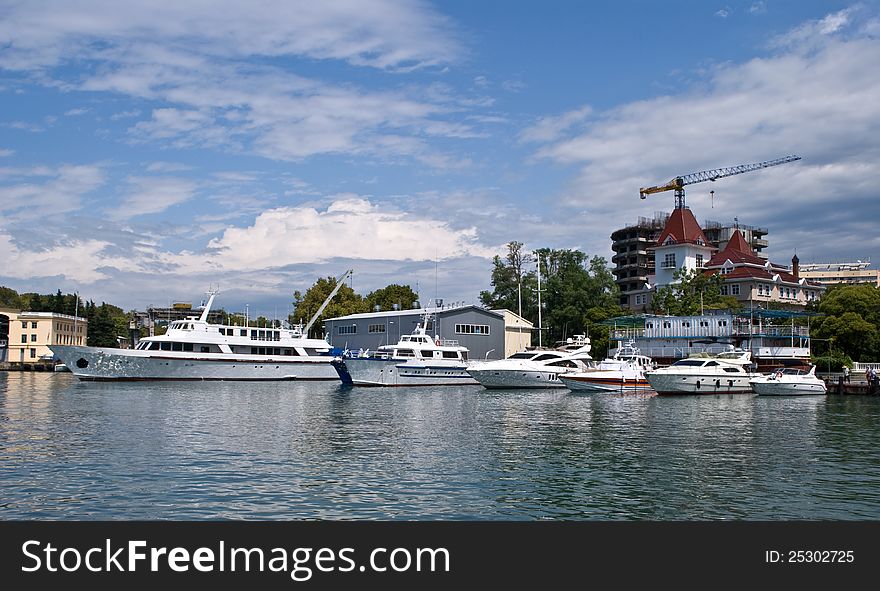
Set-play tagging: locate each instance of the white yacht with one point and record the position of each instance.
(789, 381)
(624, 371)
(533, 369)
(724, 373)
(416, 360)
(194, 349)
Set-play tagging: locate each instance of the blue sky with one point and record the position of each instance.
(148, 150)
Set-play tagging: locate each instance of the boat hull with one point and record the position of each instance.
(777, 388)
(664, 383)
(99, 364)
(512, 379)
(391, 372)
(578, 383)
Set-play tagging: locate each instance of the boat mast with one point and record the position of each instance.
(210, 293)
(539, 301)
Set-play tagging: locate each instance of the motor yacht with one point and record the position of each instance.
(625, 370)
(416, 359)
(533, 369)
(724, 373)
(195, 349)
(789, 381)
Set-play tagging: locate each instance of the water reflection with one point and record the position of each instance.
(71, 449)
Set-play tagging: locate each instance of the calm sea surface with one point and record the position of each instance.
(217, 450)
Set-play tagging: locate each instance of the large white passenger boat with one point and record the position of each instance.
(624, 371)
(416, 360)
(725, 373)
(533, 369)
(194, 349)
(789, 381)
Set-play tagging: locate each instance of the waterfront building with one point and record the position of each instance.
(772, 336)
(632, 258)
(751, 279)
(634, 246)
(835, 273)
(25, 337)
(487, 334)
(756, 282)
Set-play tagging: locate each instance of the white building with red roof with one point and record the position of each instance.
(752, 280)
(747, 277)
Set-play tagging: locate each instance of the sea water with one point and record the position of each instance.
(315, 450)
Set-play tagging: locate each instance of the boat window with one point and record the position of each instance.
(689, 362)
(546, 356)
(242, 332)
(427, 354)
(522, 356)
(562, 363)
(464, 355)
(450, 355)
(290, 352)
(406, 353)
(165, 346)
(177, 346)
(711, 364)
(731, 370)
(187, 346)
(204, 349)
(310, 351)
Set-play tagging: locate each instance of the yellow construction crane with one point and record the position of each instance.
(678, 183)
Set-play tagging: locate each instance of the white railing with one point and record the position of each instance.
(863, 367)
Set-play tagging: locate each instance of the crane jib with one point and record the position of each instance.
(678, 183)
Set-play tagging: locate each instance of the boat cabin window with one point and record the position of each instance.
(450, 355)
(711, 364)
(546, 356)
(522, 356)
(406, 353)
(242, 332)
(165, 346)
(689, 362)
(427, 354)
(563, 363)
(731, 370)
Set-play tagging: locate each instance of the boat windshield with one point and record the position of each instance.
(690, 362)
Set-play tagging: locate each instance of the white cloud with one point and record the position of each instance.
(76, 112)
(758, 8)
(152, 195)
(74, 260)
(391, 34)
(551, 128)
(724, 12)
(4, 152)
(161, 166)
(350, 227)
(38, 192)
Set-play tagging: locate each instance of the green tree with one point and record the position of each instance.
(692, 292)
(513, 281)
(346, 301)
(578, 293)
(9, 298)
(850, 319)
(387, 297)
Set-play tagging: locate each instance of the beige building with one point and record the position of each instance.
(834, 273)
(29, 335)
(517, 332)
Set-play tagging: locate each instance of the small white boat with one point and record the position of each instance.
(624, 371)
(724, 373)
(789, 381)
(416, 360)
(534, 369)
